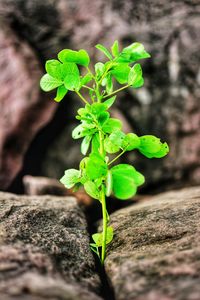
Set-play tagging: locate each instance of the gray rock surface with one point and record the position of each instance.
(155, 254)
(44, 250)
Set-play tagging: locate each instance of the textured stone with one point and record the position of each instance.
(44, 249)
(50, 186)
(23, 110)
(167, 106)
(155, 253)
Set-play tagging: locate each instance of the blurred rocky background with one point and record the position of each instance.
(35, 132)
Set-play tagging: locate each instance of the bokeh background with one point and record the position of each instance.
(35, 132)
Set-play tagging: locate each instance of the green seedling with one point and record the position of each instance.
(103, 140)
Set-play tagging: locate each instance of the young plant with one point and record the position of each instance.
(102, 135)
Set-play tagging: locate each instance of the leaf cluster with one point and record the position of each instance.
(102, 136)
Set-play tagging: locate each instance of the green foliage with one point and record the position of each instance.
(102, 136)
(125, 181)
(49, 83)
(71, 177)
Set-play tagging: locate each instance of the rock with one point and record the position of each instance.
(155, 253)
(44, 250)
(167, 106)
(23, 109)
(50, 186)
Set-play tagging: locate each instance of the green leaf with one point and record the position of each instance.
(130, 142)
(114, 141)
(99, 69)
(96, 166)
(95, 143)
(112, 125)
(135, 78)
(97, 108)
(115, 49)
(86, 79)
(163, 151)
(80, 57)
(109, 102)
(48, 83)
(54, 68)
(78, 132)
(109, 84)
(133, 53)
(85, 144)
(71, 177)
(110, 147)
(149, 144)
(104, 50)
(109, 184)
(72, 79)
(121, 72)
(92, 190)
(98, 237)
(84, 58)
(103, 117)
(94, 248)
(138, 178)
(124, 185)
(61, 92)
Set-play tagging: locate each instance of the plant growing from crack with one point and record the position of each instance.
(102, 135)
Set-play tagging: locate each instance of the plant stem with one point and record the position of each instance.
(115, 92)
(82, 98)
(114, 159)
(104, 213)
(87, 87)
(103, 198)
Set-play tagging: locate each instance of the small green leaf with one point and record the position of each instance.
(163, 151)
(61, 92)
(104, 50)
(96, 166)
(112, 125)
(54, 68)
(98, 237)
(98, 108)
(130, 142)
(85, 144)
(115, 49)
(109, 184)
(84, 58)
(133, 53)
(109, 84)
(150, 144)
(86, 79)
(48, 83)
(135, 78)
(138, 178)
(71, 177)
(94, 248)
(114, 141)
(110, 147)
(124, 185)
(72, 79)
(95, 143)
(109, 102)
(121, 72)
(92, 190)
(103, 117)
(78, 132)
(80, 57)
(99, 69)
